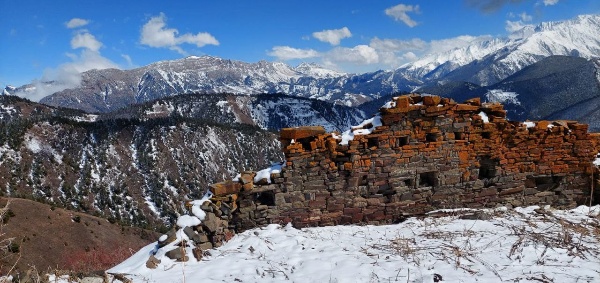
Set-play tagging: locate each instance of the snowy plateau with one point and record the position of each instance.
(529, 244)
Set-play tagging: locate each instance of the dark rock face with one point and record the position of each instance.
(268, 111)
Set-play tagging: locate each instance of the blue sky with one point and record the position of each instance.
(44, 40)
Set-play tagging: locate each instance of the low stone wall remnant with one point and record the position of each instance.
(428, 153)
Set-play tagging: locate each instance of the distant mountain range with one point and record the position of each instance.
(267, 111)
(490, 61)
(111, 89)
(555, 88)
(544, 64)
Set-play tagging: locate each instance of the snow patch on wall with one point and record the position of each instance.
(366, 127)
(484, 117)
(266, 173)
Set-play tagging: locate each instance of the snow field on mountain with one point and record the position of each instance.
(500, 96)
(530, 244)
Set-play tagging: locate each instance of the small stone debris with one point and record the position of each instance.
(152, 262)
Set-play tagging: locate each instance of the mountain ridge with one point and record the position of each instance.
(504, 56)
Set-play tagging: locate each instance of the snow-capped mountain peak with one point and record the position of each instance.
(486, 61)
(318, 71)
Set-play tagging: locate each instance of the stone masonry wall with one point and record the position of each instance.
(429, 153)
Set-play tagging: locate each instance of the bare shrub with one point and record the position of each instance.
(9, 248)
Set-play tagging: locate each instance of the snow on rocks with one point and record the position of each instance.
(205, 228)
(484, 117)
(264, 175)
(531, 244)
(366, 127)
(529, 124)
(187, 220)
(597, 160)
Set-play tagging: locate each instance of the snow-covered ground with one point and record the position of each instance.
(503, 245)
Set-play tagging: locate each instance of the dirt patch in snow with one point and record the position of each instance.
(55, 238)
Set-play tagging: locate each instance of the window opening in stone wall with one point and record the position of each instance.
(431, 137)
(459, 136)
(265, 198)
(364, 180)
(305, 143)
(487, 167)
(486, 135)
(309, 196)
(427, 179)
(403, 141)
(372, 142)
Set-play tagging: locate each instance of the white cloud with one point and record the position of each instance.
(85, 61)
(76, 22)
(332, 36)
(394, 52)
(395, 45)
(400, 13)
(380, 53)
(513, 26)
(523, 16)
(360, 54)
(127, 59)
(409, 56)
(550, 2)
(285, 53)
(526, 18)
(85, 40)
(155, 34)
(67, 75)
(447, 44)
(490, 6)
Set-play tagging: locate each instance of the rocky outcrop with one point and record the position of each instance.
(206, 226)
(428, 153)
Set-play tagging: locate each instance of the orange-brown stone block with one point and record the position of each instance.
(402, 102)
(499, 113)
(463, 156)
(542, 125)
(466, 107)
(415, 98)
(301, 132)
(493, 106)
(247, 177)
(432, 100)
(225, 188)
(474, 101)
